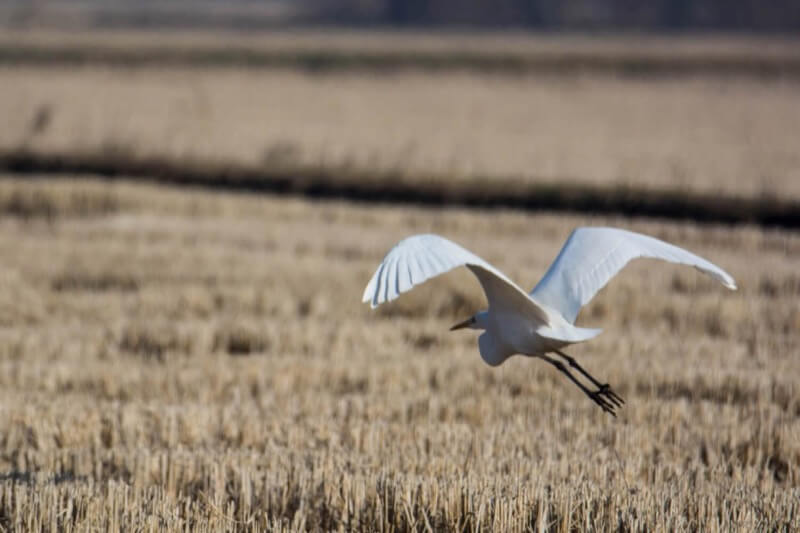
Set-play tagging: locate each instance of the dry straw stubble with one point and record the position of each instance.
(196, 361)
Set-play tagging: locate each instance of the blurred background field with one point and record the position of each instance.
(184, 349)
(692, 134)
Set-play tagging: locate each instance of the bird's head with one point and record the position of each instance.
(477, 321)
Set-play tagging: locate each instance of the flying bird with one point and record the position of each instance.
(543, 321)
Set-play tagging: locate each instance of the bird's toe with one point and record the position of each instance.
(616, 399)
(605, 404)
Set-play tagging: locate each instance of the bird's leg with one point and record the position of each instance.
(596, 396)
(602, 388)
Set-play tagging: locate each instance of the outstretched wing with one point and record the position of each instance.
(421, 257)
(592, 256)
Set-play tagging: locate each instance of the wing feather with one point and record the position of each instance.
(403, 276)
(391, 279)
(422, 257)
(414, 270)
(440, 264)
(592, 256)
(372, 287)
(382, 279)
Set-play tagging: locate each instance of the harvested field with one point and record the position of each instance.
(705, 136)
(177, 358)
(180, 360)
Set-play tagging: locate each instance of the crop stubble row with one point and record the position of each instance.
(181, 359)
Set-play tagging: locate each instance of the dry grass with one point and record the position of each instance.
(179, 360)
(702, 135)
(175, 360)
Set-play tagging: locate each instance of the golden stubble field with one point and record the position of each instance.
(180, 360)
(735, 136)
(174, 359)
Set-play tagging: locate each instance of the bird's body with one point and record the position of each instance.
(508, 333)
(541, 322)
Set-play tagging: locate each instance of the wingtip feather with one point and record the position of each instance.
(726, 279)
(368, 290)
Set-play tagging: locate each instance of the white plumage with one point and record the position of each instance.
(592, 256)
(541, 322)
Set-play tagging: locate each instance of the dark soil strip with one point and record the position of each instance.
(323, 61)
(330, 183)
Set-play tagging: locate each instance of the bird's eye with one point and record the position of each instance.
(473, 320)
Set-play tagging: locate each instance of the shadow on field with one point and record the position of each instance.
(318, 60)
(31, 478)
(396, 188)
(728, 392)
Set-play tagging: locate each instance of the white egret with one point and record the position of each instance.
(541, 322)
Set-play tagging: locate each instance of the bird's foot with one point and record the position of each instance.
(605, 404)
(606, 391)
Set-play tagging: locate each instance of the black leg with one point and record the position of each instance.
(597, 396)
(602, 388)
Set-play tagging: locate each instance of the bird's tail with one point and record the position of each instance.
(570, 334)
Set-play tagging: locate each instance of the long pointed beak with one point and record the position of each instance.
(462, 325)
